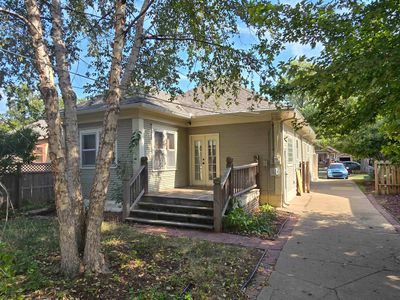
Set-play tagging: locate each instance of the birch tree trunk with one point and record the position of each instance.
(93, 258)
(70, 122)
(70, 261)
(138, 43)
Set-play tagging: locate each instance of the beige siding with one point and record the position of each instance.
(124, 133)
(166, 179)
(242, 142)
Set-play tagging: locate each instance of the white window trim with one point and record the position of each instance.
(97, 132)
(164, 130)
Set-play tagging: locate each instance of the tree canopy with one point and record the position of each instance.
(354, 82)
(23, 107)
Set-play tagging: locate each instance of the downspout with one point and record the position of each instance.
(284, 160)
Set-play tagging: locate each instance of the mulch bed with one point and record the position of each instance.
(391, 203)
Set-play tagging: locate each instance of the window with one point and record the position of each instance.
(89, 149)
(171, 150)
(40, 154)
(290, 150)
(164, 156)
(89, 144)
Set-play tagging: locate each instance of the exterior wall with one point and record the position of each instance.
(303, 150)
(242, 142)
(124, 133)
(44, 145)
(167, 179)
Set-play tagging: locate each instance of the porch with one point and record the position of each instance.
(192, 207)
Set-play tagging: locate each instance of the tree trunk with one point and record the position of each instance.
(93, 258)
(70, 122)
(138, 43)
(70, 261)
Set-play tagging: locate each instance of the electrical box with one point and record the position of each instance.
(277, 159)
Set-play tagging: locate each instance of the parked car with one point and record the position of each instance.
(352, 166)
(337, 170)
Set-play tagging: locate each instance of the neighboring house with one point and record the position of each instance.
(42, 146)
(326, 155)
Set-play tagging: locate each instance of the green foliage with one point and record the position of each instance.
(16, 147)
(23, 107)
(261, 223)
(354, 82)
(20, 242)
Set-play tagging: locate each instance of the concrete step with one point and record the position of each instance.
(171, 214)
(169, 223)
(189, 209)
(177, 201)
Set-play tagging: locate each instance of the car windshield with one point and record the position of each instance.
(336, 167)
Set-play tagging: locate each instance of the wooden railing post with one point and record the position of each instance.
(303, 175)
(257, 160)
(126, 201)
(229, 164)
(144, 162)
(376, 177)
(217, 205)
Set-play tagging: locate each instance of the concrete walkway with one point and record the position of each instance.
(341, 248)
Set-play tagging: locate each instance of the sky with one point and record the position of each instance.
(246, 38)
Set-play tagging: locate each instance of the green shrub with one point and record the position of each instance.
(260, 223)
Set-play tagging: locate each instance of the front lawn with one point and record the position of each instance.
(143, 266)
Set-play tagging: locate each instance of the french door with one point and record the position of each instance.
(204, 158)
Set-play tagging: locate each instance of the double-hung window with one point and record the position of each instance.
(89, 148)
(89, 144)
(164, 150)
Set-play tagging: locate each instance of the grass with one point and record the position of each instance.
(143, 266)
(363, 181)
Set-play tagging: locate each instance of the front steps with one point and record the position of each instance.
(173, 211)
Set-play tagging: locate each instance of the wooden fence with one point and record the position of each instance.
(387, 178)
(31, 183)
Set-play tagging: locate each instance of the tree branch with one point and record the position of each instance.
(14, 14)
(137, 18)
(137, 45)
(181, 38)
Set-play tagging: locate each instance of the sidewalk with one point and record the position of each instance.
(341, 248)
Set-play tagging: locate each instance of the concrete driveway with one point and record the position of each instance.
(342, 248)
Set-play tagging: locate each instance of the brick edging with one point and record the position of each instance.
(268, 263)
(388, 216)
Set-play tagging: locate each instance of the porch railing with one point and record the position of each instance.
(235, 181)
(135, 187)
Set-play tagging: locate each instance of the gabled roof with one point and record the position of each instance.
(189, 104)
(39, 127)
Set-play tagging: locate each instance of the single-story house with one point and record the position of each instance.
(187, 143)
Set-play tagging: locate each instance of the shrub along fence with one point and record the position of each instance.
(31, 183)
(387, 178)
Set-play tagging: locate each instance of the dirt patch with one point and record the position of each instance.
(391, 203)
